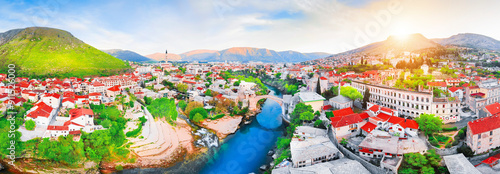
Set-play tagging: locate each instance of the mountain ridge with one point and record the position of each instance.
(43, 51)
(127, 55)
(470, 40)
(243, 54)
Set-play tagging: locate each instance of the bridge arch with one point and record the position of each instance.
(253, 101)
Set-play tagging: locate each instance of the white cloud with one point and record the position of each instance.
(326, 26)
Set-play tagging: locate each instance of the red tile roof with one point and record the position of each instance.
(383, 116)
(55, 95)
(364, 115)
(493, 109)
(453, 89)
(42, 110)
(484, 124)
(57, 128)
(115, 88)
(75, 113)
(345, 120)
(369, 127)
(342, 112)
(441, 84)
(374, 108)
(326, 107)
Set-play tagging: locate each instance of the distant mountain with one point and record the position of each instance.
(246, 54)
(470, 40)
(40, 51)
(161, 57)
(397, 45)
(199, 54)
(127, 55)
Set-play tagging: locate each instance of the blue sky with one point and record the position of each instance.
(302, 25)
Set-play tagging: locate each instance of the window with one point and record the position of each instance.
(491, 132)
(479, 136)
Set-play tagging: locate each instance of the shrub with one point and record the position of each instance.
(448, 145)
(182, 104)
(30, 125)
(119, 167)
(217, 116)
(329, 114)
(143, 120)
(198, 110)
(134, 132)
(442, 138)
(461, 134)
(466, 150)
(450, 129)
(317, 123)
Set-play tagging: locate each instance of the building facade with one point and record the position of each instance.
(411, 103)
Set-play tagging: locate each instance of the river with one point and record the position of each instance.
(242, 152)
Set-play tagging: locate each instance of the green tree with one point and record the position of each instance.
(237, 83)
(317, 123)
(182, 104)
(366, 98)
(437, 92)
(278, 75)
(427, 170)
(298, 110)
(208, 92)
(30, 124)
(199, 110)
(106, 123)
(429, 123)
(318, 86)
(181, 87)
(415, 159)
(197, 118)
(351, 93)
(191, 105)
(307, 116)
(433, 158)
(283, 143)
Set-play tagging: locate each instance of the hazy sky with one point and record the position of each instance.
(300, 25)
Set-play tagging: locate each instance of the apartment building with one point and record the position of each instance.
(411, 103)
(485, 93)
(482, 134)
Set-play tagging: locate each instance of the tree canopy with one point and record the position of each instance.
(306, 116)
(351, 93)
(429, 123)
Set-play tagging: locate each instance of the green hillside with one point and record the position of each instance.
(48, 52)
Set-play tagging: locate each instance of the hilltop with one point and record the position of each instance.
(242, 54)
(470, 40)
(40, 52)
(397, 45)
(127, 55)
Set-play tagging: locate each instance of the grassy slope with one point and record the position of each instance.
(53, 52)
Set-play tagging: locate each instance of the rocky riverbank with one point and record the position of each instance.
(224, 126)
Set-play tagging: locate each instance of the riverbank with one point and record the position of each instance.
(32, 166)
(177, 146)
(223, 126)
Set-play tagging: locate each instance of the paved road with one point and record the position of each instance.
(462, 123)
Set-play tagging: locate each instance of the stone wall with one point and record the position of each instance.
(369, 166)
(443, 152)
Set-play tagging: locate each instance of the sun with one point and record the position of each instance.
(401, 30)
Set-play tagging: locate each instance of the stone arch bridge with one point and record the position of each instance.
(253, 102)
